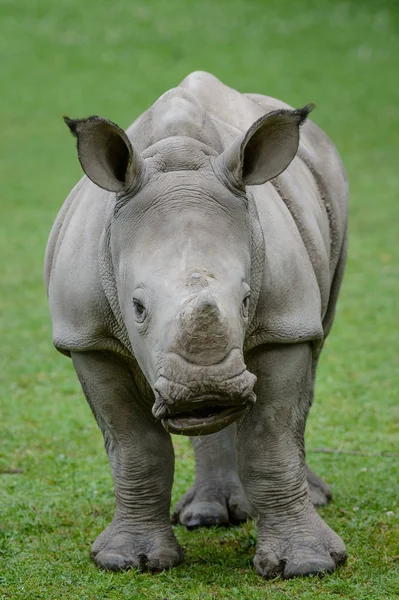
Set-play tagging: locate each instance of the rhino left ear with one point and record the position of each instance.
(266, 149)
(106, 154)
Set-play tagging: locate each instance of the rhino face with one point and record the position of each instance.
(181, 253)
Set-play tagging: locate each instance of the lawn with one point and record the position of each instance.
(114, 59)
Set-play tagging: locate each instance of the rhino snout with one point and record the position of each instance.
(184, 387)
(203, 333)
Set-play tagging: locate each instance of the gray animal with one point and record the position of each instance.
(192, 278)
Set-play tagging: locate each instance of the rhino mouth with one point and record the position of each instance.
(204, 420)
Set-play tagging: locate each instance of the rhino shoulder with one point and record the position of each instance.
(289, 304)
(303, 216)
(80, 313)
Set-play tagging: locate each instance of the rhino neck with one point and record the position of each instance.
(108, 282)
(176, 113)
(257, 266)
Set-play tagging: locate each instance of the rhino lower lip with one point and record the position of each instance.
(203, 421)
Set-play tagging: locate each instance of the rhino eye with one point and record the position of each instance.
(140, 312)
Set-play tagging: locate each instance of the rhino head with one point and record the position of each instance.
(180, 240)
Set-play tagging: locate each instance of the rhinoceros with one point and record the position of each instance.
(192, 277)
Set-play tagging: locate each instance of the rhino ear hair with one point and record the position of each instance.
(106, 154)
(266, 149)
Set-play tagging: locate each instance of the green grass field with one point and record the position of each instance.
(115, 59)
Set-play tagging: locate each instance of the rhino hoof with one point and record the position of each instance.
(154, 562)
(118, 548)
(306, 547)
(204, 514)
(210, 504)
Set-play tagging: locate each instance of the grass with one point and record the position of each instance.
(114, 59)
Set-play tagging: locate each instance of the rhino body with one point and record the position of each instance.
(192, 278)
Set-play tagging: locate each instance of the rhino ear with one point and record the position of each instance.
(106, 154)
(266, 149)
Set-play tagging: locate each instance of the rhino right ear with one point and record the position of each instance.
(106, 154)
(265, 150)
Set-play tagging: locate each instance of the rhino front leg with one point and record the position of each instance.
(293, 539)
(217, 496)
(140, 453)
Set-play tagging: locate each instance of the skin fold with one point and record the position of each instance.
(192, 277)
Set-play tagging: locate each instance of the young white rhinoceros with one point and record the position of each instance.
(192, 277)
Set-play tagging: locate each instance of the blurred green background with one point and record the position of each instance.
(115, 59)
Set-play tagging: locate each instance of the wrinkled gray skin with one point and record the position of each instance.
(193, 282)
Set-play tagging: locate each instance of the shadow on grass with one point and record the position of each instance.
(233, 547)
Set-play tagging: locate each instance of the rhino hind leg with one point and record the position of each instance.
(217, 496)
(319, 491)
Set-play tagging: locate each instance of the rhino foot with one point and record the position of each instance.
(305, 546)
(211, 502)
(319, 491)
(119, 548)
